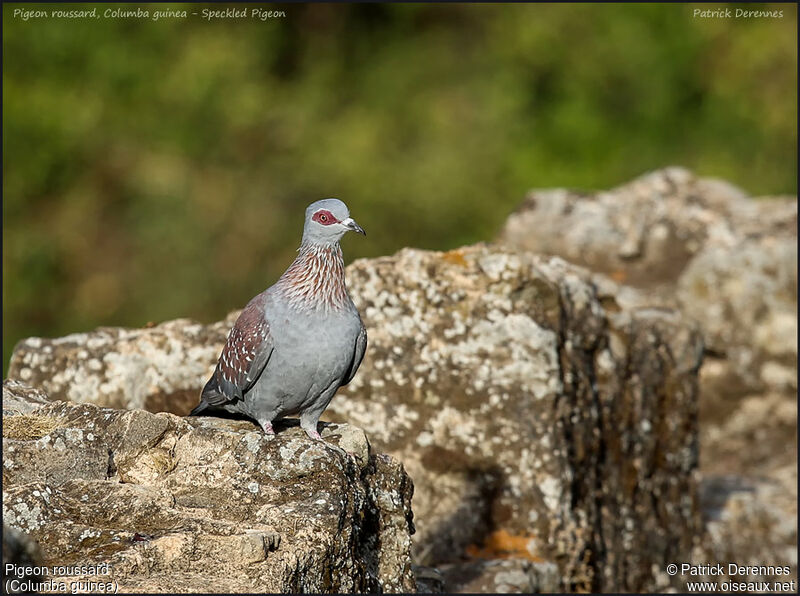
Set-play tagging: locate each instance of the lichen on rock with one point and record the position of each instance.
(192, 505)
(518, 395)
(729, 262)
(517, 400)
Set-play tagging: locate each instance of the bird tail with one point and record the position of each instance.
(198, 411)
(210, 397)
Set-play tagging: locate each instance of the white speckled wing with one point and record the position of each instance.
(246, 353)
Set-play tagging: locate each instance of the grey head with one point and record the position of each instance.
(327, 221)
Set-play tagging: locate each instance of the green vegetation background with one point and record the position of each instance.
(154, 170)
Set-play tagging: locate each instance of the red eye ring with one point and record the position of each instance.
(324, 217)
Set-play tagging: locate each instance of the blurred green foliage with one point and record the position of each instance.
(154, 170)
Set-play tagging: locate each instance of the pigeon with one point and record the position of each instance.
(298, 341)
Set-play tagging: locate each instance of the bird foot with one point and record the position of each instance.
(267, 427)
(313, 434)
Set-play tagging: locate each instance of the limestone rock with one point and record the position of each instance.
(517, 399)
(647, 231)
(517, 396)
(199, 504)
(729, 262)
(19, 398)
(155, 368)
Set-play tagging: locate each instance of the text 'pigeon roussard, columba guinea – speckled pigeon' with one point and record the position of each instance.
(298, 341)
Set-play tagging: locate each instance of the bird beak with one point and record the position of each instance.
(351, 225)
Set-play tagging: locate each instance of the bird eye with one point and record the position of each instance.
(323, 217)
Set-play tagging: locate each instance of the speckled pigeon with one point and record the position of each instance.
(297, 342)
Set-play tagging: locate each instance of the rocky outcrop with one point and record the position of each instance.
(199, 504)
(729, 262)
(646, 232)
(156, 368)
(522, 400)
(726, 260)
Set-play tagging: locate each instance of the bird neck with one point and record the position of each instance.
(315, 280)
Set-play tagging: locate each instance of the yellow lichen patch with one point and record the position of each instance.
(504, 545)
(28, 427)
(162, 461)
(619, 275)
(456, 257)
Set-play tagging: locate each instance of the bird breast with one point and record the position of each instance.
(318, 335)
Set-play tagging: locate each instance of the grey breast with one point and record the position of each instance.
(312, 352)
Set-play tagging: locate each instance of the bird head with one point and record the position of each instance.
(327, 221)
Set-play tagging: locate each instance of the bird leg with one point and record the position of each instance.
(309, 424)
(266, 425)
